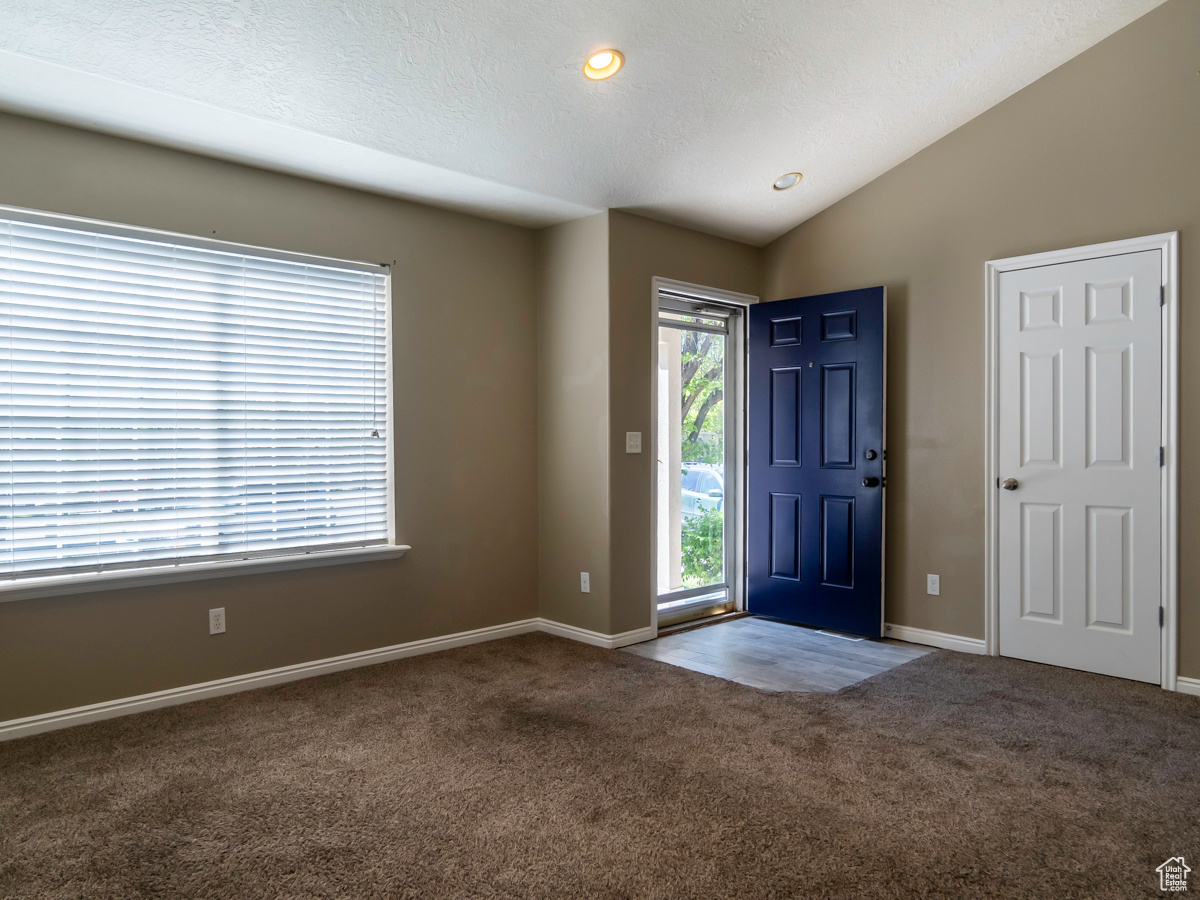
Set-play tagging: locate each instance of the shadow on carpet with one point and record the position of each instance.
(542, 768)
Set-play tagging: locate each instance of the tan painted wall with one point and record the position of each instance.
(465, 379)
(573, 346)
(639, 249)
(1105, 147)
(488, 380)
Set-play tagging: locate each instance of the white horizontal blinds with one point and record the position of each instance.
(173, 403)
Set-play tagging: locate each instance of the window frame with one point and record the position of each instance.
(300, 558)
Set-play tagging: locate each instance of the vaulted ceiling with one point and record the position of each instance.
(480, 104)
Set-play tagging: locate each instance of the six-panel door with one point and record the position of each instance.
(1079, 436)
(815, 460)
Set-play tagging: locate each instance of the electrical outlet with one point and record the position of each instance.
(633, 442)
(933, 585)
(585, 583)
(216, 621)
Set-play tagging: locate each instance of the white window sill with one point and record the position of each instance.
(55, 585)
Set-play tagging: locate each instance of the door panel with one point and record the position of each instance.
(1041, 545)
(837, 541)
(1079, 431)
(1110, 567)
(1041, 407)
(1107, 405)
(816, 406)
(785, 536)
(839, 326)
(785, 417)
(837, 416)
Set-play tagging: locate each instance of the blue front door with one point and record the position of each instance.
(815, 487)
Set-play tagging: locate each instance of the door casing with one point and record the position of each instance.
(1168, 244)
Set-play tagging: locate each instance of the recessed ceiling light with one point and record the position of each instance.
(604, 64)
(790, 180)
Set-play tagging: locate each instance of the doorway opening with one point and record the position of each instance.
(699, 441)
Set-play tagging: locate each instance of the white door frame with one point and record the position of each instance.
(1169, 245)
(737, 579)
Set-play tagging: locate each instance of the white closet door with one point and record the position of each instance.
(1080, 428)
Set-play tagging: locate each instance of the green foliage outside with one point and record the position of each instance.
(704, 451)
(703, 373)
(703, 441)
(702, 539)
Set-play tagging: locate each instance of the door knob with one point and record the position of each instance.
(1010, 484)
(870, 481)
(870, 454)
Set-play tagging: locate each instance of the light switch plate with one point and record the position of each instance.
(585, 583)
(633, 442)
(933, 585)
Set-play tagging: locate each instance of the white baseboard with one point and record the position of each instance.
(595, 638)
(1188, 685)
(936, 639)
(15, 728)
(109, 709)
(975, 645)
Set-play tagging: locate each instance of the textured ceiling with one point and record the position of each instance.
(481, 105)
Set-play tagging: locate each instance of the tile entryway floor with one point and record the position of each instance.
(777, 656)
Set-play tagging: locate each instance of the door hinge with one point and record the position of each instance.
(1162, 613)
(1162, 295)
(1162, 456)
(997, 482)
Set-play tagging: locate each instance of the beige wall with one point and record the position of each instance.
(572, 338)
(465, 380)
(639, 249)
(596, 345)
(517, 375)
(1105, 147)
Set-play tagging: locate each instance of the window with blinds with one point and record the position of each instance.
(170, 400)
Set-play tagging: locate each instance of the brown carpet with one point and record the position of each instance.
(538, 767)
